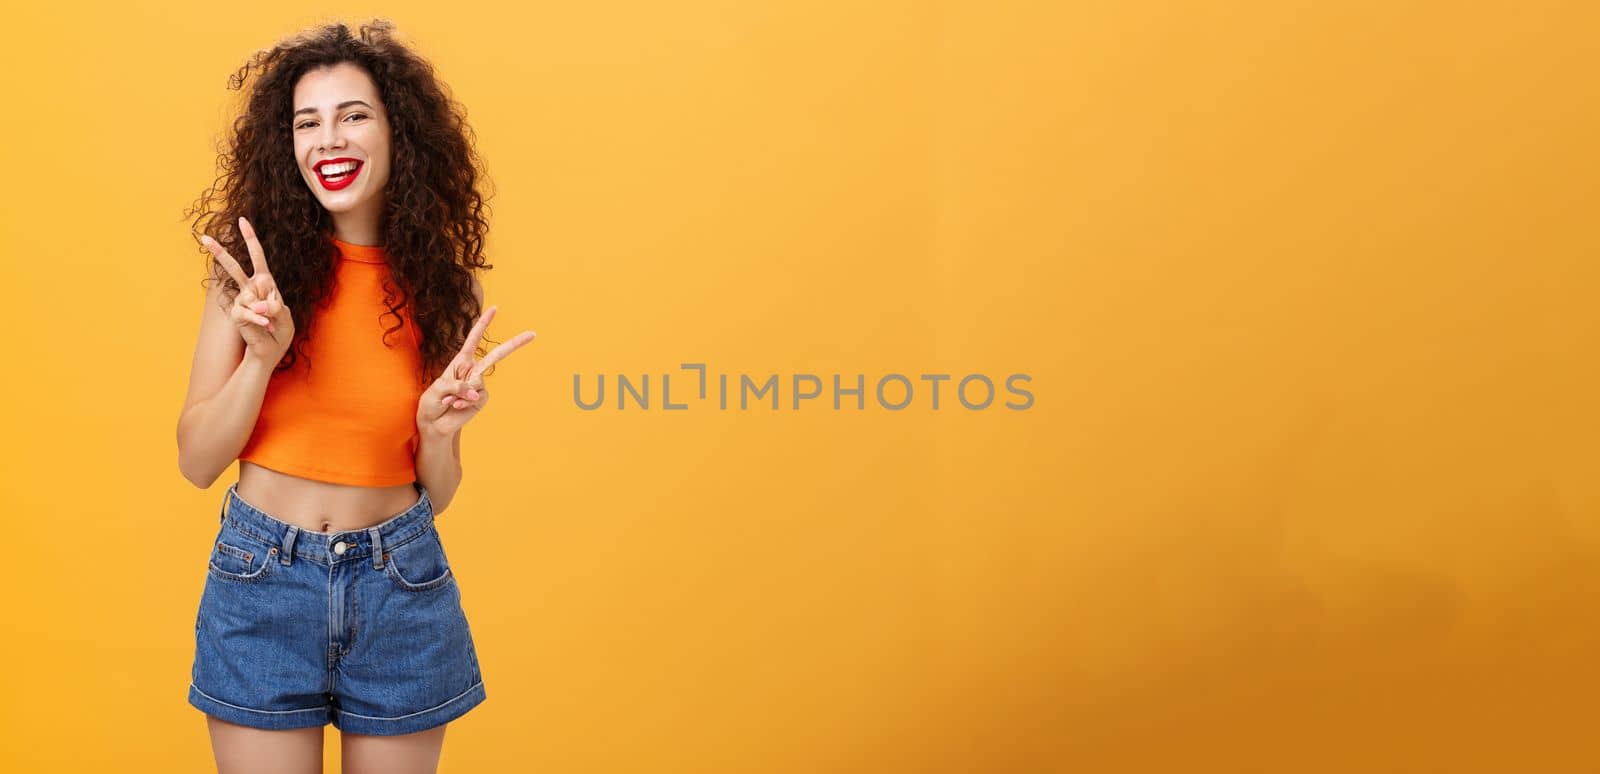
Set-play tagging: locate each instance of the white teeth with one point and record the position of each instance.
(330, 170)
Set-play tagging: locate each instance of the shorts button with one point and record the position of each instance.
(339, 548)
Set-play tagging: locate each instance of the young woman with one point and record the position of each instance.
(339, 369)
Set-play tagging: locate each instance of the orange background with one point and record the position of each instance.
(1304, 289)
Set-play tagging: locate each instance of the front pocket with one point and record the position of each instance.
(230, 562)
(419, 565)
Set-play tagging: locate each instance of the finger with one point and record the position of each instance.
(502, 351)
(450, 396)
(242, 313)
(247, 294)
(461, 366)
(258, 256)
(471, 343)
(246, 310)
(448, 388)
(460, 393)
(228, 263)
(279, 307)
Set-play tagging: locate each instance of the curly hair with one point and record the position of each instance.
(434, 216)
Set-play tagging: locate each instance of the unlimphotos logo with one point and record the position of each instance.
(975, 392)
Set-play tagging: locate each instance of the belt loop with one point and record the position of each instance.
(377, 548)
(288, 545)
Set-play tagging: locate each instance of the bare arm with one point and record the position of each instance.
(233, 362)
(439, 467)
(439, 456)
(225, 393)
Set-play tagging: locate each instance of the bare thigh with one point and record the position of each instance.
(416, 753)
(244, 750)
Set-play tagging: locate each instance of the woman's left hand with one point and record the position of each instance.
(459, 393)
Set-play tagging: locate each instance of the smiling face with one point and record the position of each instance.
(341, 144)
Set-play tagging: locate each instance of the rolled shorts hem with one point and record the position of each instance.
(272, 720)
(352, 723)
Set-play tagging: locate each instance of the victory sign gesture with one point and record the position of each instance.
(258, 309)
(459, 393)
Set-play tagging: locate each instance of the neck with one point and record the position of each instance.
(358, 227)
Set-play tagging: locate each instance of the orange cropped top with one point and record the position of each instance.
(350, 415)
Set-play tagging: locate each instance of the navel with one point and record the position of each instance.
(327, 526)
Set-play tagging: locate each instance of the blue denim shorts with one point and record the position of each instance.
(362, 629)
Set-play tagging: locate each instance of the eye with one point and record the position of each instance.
(304, 124)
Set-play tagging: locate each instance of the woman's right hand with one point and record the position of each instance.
(258, 310)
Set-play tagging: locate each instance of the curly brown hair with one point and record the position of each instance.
(434, 216)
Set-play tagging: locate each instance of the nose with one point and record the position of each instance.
(330, 138)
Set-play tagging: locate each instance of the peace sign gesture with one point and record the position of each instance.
(258, 310)
(459, 393)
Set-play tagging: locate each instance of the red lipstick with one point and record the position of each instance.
(344, 178)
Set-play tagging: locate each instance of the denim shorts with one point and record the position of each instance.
(362, 628)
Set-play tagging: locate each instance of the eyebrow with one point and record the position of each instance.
(338, 107)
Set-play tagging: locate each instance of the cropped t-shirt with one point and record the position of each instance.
(349, 416)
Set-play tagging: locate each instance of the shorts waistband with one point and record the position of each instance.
(329, 547)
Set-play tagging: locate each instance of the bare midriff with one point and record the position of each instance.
(320, 506)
